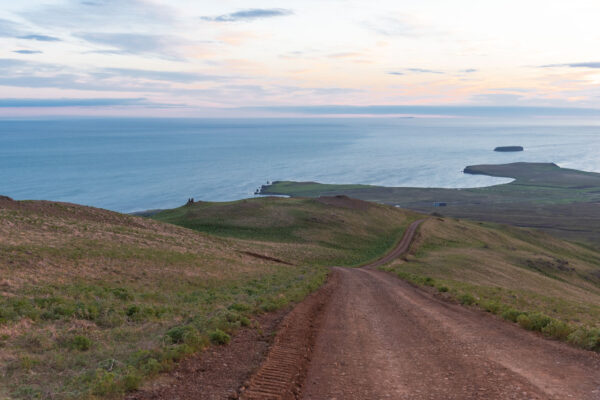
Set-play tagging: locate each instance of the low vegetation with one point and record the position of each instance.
(323, 231)
(527, 277)
(93, 303)
(558, 200)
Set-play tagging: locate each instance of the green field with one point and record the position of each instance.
(545, 196)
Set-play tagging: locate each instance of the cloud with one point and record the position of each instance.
(27, 51)
(167, 76)
(395, 73)
(345, 54)
(424, 71)
(507, 99)
(8, 28)
(461, 111)
(393, 26)
(468, 71)
(574, 65)
(97, 102)
(250, 14)
(31, 74)
(14, 30)
(41, 38)
(135, 43)
(76, 14)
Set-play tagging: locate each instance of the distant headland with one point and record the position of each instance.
(508, 148)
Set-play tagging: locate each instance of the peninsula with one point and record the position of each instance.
(542, 195)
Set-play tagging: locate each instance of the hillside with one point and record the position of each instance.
(94, 302)
(501, 267)
(507, 271)
(323, 231)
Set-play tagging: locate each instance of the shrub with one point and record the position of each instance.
(491, 306)
(443, 289)
(268, 306)
(558, 330)
(27, 363)
(428, 281)
(81, 343)
(588, 338)
(466, 299)
(239, 307)
(178, 334)
(132, 310)
(105, 383)
(539, 321)
(110, 319)
(131, 380)
(219, 337)
(524, 321)
(511, 314)
(151, 367)
(121, 294)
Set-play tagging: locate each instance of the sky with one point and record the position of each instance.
(312, 57)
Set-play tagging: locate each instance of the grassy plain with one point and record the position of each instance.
(559, 200)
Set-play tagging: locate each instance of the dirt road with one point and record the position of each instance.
(401, 248)
(381, 338)
(378, 337)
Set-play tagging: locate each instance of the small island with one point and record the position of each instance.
(509, 148)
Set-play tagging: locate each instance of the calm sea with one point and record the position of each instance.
(137, 164)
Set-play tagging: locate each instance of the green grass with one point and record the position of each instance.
(327, 233)
(559, 200)
(93, 303)
(542, 283)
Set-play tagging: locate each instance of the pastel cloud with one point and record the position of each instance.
(249, 15)
(27, 51)
(40, 38)
(12, 29)
(94, 102)
(135, 43)
(575, 65)
(261, 54)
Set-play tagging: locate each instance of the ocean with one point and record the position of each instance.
(130, 165)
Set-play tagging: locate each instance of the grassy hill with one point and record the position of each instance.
(558, 200)
(514, 272)
(93, 302)
(323, 231)
(510, 271)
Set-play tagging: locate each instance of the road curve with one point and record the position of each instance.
(401, 248)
